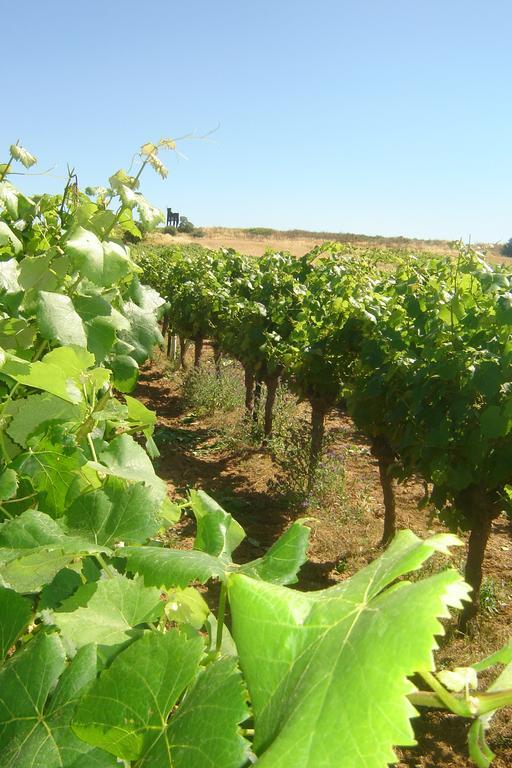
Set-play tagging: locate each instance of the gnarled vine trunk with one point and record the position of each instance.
(249, 391)
(256, 400)
(217, 357)
(382, 451)
(272, 383)
(183, 353)
(198, 351)
(319, 410)
(482, 510)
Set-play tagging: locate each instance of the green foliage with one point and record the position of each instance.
(207, 391)
(302, 658)
(143, 685)
(290, 447)
(109, 652)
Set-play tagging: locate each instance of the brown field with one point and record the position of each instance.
(299, 242)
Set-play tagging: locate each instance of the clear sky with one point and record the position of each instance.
(388, 117)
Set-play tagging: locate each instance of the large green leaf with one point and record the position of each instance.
(52, 468)
(11, 292)
(8, 484)
(126, 371)
(126, 459)
(217, 532)
(36, 708)
(217, 535)
(149, 214)
(9, 197)
(44, 375)
(86, 253)
(328, 668)
(172, 567)
(36, 273)
(117, 262)
(106, 612)
(73, 361)
(34, 548)
(101, 337)
(281, 563)
(59, 321)
(30, 414)
(144, 333)
(126, 712)
(16, 334)
(138, 413)
(15, 613)
(115, 513)
(7, 237)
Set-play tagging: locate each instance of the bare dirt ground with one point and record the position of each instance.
(345, 536)
(256, 245)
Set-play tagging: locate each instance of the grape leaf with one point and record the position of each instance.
(117, 263)
(35, 272)
(126, 372)
(52, 468)
(8, 484)
(11, 292)
(86, 253)
(318, 678)
(34, 548)
(31, 413)
(217, 532)
(72, 360)
(7, 237)
(9, 196)
(168, 568)
(186, 606)
(23, 155)
(35, 719)
(16, 334)
(44, 375)
(138, 412)
(101, 337)
(107, 612)
(59, 321)
(144, 333)
(115, 513)
(281, 563)
(127, 709)
(15, 613)
(65, 583)
(126, 459)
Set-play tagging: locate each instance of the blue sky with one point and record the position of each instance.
(384, 117)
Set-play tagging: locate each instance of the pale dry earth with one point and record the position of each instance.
(256, 245)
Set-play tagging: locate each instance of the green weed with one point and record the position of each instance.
(206, 391)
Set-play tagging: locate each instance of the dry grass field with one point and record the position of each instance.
(256, 241)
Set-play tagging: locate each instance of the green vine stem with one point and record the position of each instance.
(106, 567)
(91, 446)
(220, 616)
(458, 706)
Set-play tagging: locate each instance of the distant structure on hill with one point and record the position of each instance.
(173, 219)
